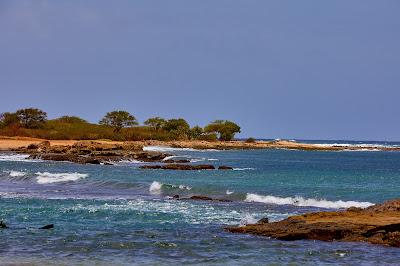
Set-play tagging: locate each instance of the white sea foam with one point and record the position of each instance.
(228, 192)
(17, 173)
(243, 169)
(165, 149)
(300, 201)
(156, 187)
(48, 178)
(14, 157)
(247, 218)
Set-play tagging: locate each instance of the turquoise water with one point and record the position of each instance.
(124, 215)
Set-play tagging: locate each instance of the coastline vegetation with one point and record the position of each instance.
(115, 125)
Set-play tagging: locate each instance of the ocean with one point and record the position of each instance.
(123, 215)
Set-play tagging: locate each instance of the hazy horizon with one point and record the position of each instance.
(280, 69)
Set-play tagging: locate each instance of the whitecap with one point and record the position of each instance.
(156, 187)
(165, 149)
(247, 218)
(17, 173)
(14, 157)
(228, 192)
(300, 201)
(48, 178)
(243, 169)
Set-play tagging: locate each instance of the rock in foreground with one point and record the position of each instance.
(379, 224)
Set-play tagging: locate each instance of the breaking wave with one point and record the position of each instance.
(49, 178)
(300, 201)
(16, 173)
(243, 169)
(15, 158)
(156, 187)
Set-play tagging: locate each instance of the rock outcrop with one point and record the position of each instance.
(378, 224)
(91, 152)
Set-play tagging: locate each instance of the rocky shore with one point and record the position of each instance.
(9, 143)
(378, 224)
(91, 152)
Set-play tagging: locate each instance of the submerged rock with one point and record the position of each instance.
(3, 225)
(378, 224)
(49, 226)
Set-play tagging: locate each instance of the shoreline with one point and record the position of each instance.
(12, 143)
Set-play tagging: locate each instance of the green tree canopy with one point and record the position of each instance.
(155, 122)
(32, 117)
(118, 120)
(196, 132)
(7, 119)
(179, 128)
(70, 119)
(224, 128)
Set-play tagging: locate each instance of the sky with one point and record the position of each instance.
(280, 69)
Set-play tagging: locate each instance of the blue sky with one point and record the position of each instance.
(280, 69)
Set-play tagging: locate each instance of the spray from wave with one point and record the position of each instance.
(16, 173)
(49, 178)
(156, 187)
(243, 169)
(300, 201)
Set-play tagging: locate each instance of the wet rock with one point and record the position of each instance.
(3, 225)
(176, 161)
(200, 198)
(264, 220)
(224, 167)
(179, 167)
(379, 224)
(49, 226)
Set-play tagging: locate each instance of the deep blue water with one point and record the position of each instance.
(124, 215)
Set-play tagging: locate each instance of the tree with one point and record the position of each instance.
(196, 132)
(70, 120)
(224, 128)
(178, 128)
(156, 122)
(32, 117)
(8, 119)
(118, 120)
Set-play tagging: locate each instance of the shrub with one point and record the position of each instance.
(250, 140)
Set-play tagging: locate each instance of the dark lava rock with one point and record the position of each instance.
(49, 226)
(179, 167)
(176, 161)
(3, 225)
(224, 167)
(200, 198)
(264, 220)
